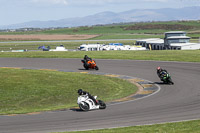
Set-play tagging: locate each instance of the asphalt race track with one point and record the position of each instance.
(177, 102)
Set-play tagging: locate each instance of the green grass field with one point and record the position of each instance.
(25, 91)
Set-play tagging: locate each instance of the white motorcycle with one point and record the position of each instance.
(86, 104)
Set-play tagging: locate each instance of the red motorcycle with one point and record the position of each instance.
(91, 64)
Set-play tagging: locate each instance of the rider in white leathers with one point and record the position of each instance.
(81, 92)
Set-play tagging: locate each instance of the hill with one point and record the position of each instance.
(135, 15)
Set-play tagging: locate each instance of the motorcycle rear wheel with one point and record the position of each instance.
(85, 66)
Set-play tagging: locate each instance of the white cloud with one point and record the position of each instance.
(96, 2)
(64, 2)
(104, 2)
(156, 0)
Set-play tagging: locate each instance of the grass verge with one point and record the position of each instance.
(160, 55)
(23, 91)
(179, 127)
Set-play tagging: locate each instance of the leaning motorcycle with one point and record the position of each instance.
(86, 104)
(167, 79)
(91, 64)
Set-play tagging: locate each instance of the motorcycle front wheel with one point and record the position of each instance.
(84, 107)
(96, 68)
(102, 104)
(170, 81)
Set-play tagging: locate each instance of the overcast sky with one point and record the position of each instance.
(18, 11)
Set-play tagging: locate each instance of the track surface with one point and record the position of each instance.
(177, 102)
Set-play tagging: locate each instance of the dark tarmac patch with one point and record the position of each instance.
(145, 88)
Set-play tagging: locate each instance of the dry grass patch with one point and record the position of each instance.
(46, 37)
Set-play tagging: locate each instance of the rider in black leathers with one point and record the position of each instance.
(161, 73)
(86, 59)
(81, 92)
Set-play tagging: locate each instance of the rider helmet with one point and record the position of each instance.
(80, 91)
(158, 68)
(85, 57)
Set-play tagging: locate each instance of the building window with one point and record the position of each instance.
(184, 40)
(177, 34)
(178, 41)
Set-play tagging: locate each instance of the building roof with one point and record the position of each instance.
(174, 32)
(149, 39)
(178, 37)
(183, 44)
(156, 41)
(152, 40)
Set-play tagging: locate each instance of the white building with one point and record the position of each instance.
(90, 47)
(175, 40)
(185, 46)
(112, 46)
(151, 43)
